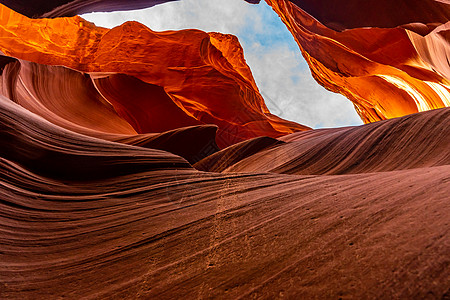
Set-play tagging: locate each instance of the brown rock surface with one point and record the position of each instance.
(83, 217)
(92, 204)
(413, 141)
(229, 156)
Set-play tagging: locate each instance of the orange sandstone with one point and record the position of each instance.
(203, 75)
(398, 69)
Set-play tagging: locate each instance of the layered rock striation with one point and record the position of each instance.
(112, 185)
(409, 142)
(390, 58)
(154, 80)
(84, 217)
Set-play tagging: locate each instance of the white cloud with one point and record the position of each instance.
(275, 60)
(291, 92)
(228, 16)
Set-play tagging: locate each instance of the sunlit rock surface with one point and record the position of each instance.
(69, 99)
(112, 186)
(390, 58)
(189, 73)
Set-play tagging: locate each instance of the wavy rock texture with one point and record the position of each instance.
(388, 64)
(70, 99)
(81, 217)
(222, 160)
(190, 73)
(390, 58)
(99, 198)
(414, 141)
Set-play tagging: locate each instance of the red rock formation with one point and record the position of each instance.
(413, 141)
(83, 217)
(90, 209)
(201, 78)
(224, 159)
(69, 99)
(340, 15)
(387, 64)
(390, 58)
(62, 96)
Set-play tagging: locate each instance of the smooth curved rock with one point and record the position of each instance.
(340, 15)
(89, 209)
(192, 143)
(82, 217)
(69, 99)
(380, 62)
(388, 64)
(62, 96)
(198, 72)
(231, 155)
(43, 148)
(414, 141)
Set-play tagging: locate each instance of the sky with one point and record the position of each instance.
(281, 73)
